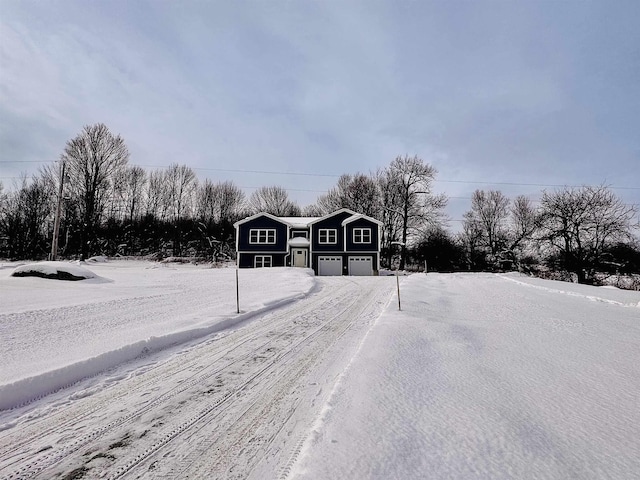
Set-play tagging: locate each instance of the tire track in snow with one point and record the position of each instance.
(70, 417)
(249, 432)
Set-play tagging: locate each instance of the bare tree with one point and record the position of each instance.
(181, 185)
(207, 202)
(92, 159)
(313, 210)
(157, 196)
(580, 223)
(488, 216)
(391, 217)
(24, 216)
(471, 239)
(273, 200)
(439, 250)
(231, 202)
(409, 204)
(525, 221)
(219, 202)
(218, 206)
(129, 187)
(358, 192)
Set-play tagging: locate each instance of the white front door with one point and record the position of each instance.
(300, 257)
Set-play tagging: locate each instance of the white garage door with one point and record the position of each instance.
(360, 266)
(329, 265)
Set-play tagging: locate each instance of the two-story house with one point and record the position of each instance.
(341, 243)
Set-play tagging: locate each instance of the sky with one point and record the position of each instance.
(518, 96)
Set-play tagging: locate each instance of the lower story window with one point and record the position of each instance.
(262, 261)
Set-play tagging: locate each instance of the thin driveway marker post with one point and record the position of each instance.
(237, 293)
(402, 244)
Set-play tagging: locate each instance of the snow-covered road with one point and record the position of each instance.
(238, 405)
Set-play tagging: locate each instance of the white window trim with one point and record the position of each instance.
(267, 232)
(262, 258)
(362, 231)
(328, 231)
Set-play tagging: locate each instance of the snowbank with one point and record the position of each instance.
(56, 333)
(53, 270)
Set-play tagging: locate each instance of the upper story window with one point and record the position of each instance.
(361, 235)
(299, 233)
(262, 235)
(327, 235)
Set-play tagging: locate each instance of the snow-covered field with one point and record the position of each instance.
(489, 376)
(149, 373)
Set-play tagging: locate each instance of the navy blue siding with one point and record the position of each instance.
(247, 260)
(362, 247)
(334, 222)
(262, 222)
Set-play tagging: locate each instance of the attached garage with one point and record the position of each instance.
(329, 265)
(362, 266)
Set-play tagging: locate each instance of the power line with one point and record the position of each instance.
(327, 175)
(325, 191)
(530, 184)
(287, 189)
(301, 174)
(24, 161)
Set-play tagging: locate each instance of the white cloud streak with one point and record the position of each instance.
(495, 91)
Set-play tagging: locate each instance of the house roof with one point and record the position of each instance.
(260, 214)
(329, 215)
(306, 222)
(358, 216)
(299, 222)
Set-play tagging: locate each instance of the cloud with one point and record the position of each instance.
(507, 92)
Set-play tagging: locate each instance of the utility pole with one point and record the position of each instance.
(56, 223)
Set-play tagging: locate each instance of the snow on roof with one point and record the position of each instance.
(260, 214)
(299, 242)
(329, 215)
(305, 222)
(299, 222)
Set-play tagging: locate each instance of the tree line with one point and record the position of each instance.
(103, 205)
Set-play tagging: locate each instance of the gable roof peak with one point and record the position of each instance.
(359, 216)
(257, 215)
(341, 210)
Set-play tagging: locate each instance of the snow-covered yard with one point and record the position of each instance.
(154, 375)
(57, 332)
(489, 376)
